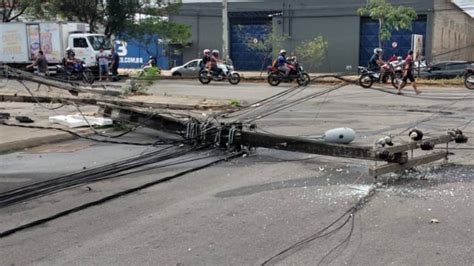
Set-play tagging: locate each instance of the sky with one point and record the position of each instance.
(467, 5)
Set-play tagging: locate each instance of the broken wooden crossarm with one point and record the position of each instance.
(417, 161)
(413, 145)
(397, 156)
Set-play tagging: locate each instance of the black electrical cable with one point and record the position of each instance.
(90, 138)
(146, 119)
(37, 101)
(39, 189)
(112, 197)
(349, 214)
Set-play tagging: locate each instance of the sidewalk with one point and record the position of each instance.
(259, 76)
(18, 138)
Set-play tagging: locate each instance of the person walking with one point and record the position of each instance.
(42, 64)
(115, 59)
(408, 73)
(103, 60)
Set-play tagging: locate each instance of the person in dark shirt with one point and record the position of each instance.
(206, 58)
(408, 73)
(375, 61)
(41, 63)
(115, 61)
(281, 63)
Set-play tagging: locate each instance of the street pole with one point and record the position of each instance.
(225, 30)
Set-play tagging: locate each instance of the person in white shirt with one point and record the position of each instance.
(103, 60)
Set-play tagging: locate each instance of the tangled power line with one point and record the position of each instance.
(175, 150)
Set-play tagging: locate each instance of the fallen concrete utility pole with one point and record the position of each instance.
(233, 136)
(94, 100)
(72, 87)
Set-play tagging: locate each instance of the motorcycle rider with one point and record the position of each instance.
(376, 62)
(206, 57)
(214, 61)
(69, 59)
(282, 63)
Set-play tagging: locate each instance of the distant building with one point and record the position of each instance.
(447, 29)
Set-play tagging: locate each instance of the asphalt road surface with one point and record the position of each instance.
(247, 210)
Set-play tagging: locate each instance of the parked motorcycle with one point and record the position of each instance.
(275, 76)
(76, 71)
(392, 70)
(227, 72)
(469, 78)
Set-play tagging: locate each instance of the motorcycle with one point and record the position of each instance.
(469, 78)
(76, 71)
(392, 70)
(151, 64)
(275, 76)
(227, 72)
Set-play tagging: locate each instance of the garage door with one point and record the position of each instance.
(245, 27)
(369, 39)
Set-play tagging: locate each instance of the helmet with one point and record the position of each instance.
(215, 52)
(282, 51)
(69, 51)
(206, 51)
(399, 58)
(378, 51)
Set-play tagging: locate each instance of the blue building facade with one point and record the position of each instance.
(134, 54)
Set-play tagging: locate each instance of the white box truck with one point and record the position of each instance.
(20, 42)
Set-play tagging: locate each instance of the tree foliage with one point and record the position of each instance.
(390, 17)
(113, 16)
(274, 42)
(148, 30)
(12, 9)
(91, 12)
(312, 52)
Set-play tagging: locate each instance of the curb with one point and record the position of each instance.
(37, 141)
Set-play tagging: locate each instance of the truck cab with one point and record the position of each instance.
(87, 45)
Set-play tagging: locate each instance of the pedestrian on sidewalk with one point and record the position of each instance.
(408, 73)
(103, 60)
(115, 59)
(42, 64)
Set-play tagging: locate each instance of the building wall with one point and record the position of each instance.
(453, 37)
(335, 20)
(339, 32)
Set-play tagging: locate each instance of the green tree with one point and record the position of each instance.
(389, 17)
(91, 12)
(312, 52)
(12, 9)
(115, 16)
(147, 31)
(267, 47)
